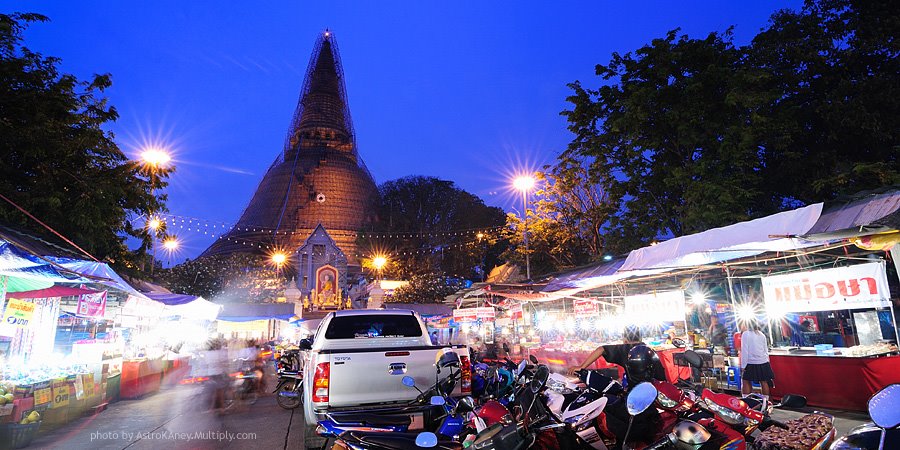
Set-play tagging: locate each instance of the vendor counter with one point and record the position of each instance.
(838, 382)
(561, 361)
(140, 377)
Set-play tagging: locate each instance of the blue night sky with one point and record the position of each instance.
(464, 91)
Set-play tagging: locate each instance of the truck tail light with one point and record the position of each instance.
(320, 382)
(465, 368)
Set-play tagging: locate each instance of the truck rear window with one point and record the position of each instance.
(379, 326)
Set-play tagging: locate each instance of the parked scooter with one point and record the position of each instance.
(883, 432)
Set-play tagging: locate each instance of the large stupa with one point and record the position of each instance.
(317, 179)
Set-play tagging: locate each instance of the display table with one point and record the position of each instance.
(561, 361)
(838, 382)
(140, 377)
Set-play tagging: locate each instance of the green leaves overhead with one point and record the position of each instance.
(689, 134)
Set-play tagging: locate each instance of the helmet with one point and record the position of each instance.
(446, 358)
(640, 364)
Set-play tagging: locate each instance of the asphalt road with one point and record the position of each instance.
(177, 418)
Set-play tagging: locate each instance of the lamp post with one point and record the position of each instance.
(379, 262)
(153, 224)
(524, 184)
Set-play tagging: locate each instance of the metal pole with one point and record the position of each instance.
(525, 226)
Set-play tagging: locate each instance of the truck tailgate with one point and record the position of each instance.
(374, 375)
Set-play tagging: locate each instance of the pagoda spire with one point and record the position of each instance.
(322, 113)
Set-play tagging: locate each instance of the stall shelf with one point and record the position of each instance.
(837, 382)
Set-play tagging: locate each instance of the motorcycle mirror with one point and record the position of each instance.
(884, 407)
(541, 375)
(521, 367)
(693, 358)
(426, 439)
(640, 398)
(437, 400)
(305, 344)
(408, 381)
(793, 401)
(466, 404)
(532, 359)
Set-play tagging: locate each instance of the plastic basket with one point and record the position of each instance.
(16, 435)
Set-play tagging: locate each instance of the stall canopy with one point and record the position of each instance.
(187, 306)
(246, 312)
(55, 291)
(22, 271)
(99, 272)
(740, 240)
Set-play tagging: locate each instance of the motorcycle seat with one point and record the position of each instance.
(399, 441)
(372, 419)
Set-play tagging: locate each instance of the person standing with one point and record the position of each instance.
(754, 358)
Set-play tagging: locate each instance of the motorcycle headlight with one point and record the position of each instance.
(727, 415)
(665, 401)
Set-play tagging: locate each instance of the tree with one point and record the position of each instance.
(59, 164)
(693, 134)
(237, 277)
(426, 288)
(427, 225)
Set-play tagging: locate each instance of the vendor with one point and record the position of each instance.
(618, 353)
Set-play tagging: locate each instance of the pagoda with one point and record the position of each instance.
(317, 179)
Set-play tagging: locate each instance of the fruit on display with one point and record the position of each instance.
(3, 400)
(9, 397)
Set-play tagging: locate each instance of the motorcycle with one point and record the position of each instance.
(289, 389)
(884, 430)
(247, 382)
(580, 405)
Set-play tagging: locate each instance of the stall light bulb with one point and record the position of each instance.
(698, 298)
(746, 313)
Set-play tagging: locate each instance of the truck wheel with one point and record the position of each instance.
(311, 440)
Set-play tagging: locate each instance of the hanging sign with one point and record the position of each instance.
(92, 305)
(665, 306)
(18, 313)
(465, 315)
(586, 308)
(515, 311)
(851, 287)
(485, 313)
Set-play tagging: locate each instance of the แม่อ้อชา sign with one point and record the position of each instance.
(667, 306)
(851, 287)
(18, 313)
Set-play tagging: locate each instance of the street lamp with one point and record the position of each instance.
(525, 183)
(378, 262)
(154, 224)
(155, 157)
(170, 245)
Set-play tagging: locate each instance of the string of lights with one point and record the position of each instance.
(213, 227)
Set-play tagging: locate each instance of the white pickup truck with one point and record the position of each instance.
(358, 358)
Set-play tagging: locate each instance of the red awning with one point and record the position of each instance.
(53, 291)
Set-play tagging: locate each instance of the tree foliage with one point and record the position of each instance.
(562, 223)
(237, 277)
(427, 225)
(59, 164)
(690, 134)
(426, 288)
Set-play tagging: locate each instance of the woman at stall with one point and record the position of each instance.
(754, 357)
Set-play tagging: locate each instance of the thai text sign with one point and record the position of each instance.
(485, 313)
(92, 305)
(852, 287)
(515, 311)
(465, 315)
(18, 313)
(665, 306)
(61, 396)
(585, 308)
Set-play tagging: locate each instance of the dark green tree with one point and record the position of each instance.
(426, 288)
(427, 225)
(59, 164)
(692, 134)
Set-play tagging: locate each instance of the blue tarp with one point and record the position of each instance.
(34, 272)
(172, 299)
(108, 277)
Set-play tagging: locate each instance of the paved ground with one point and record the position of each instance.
(176, 418)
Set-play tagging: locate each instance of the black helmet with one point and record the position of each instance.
(446, 358)
(640, 364)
